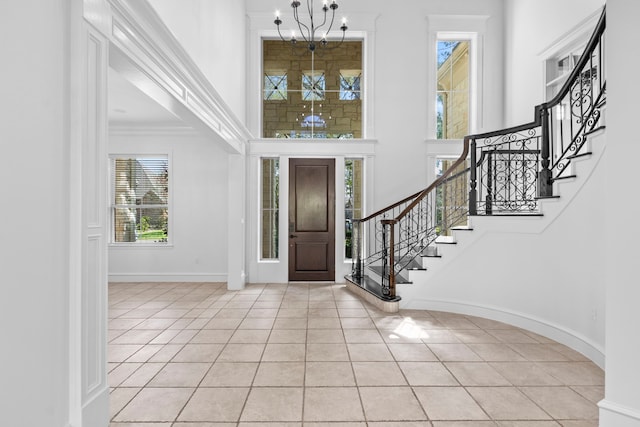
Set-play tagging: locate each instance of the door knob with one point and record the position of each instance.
(292, 236)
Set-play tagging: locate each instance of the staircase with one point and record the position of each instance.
(517, 180)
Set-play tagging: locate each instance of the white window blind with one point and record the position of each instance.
(140, 199)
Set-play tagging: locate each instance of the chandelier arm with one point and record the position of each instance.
(324, 21)
(279, 33)
(335, 45)
(333, 17)
(306, 38)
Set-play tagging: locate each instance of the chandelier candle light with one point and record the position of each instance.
(308, 30)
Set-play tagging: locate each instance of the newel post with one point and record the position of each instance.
(473, 181)
(388, 276)
(545, 184)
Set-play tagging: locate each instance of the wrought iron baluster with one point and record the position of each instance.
(489, 196)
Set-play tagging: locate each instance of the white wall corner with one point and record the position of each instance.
(615, 415)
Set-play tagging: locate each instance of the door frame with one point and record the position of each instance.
(331, 201)
(276, 270)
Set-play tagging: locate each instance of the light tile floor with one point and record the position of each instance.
(313, 354)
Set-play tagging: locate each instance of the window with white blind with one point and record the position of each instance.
(140, 199)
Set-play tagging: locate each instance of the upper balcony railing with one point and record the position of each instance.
(501, 172)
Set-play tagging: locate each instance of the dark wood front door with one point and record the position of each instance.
(312, 194)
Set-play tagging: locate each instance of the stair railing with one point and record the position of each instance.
(508, 172)
(512, 168)
(393, 237)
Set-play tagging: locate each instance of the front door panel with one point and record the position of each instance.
(311, 219)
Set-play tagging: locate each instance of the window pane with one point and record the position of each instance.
(350, 85)
(313, 85)
(275, 86)
(318, 101)
(451, 197)
(269, 206)
(145, 225)
(452, 98)
(306, 119)
(140, 211)
(353, 199)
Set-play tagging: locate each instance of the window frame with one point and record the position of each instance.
(457, 27)
(112, 205)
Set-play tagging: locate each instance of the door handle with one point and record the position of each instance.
(292, 236)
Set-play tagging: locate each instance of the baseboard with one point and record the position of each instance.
(555, 332)
(95, 413)
(615, 415)
(167, 277)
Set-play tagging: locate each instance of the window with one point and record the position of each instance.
(352, 199)
(269, 207)
(350, 85)
(452, 96)
(140, 199)
(313, 85)
(275, 86)
(451, 197)
(323, 97)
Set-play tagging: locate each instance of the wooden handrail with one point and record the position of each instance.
(442, 178)
(390, 207)
(584, 58)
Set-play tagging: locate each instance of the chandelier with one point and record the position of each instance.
(309, 29)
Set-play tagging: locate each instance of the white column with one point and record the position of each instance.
(621, 406)
(236, 222)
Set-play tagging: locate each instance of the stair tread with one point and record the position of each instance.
(565, 177)
(577, 156)
(378, 270)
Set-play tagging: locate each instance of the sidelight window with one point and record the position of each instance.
(269, 206)
(352, 200)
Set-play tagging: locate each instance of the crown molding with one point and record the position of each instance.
(145, 51)
(150, 129)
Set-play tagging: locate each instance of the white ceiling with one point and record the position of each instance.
(128, 106)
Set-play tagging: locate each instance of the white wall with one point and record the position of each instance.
(213, 33)
(198, 217)
(34, 136)
(621, 407)
(531, 26)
